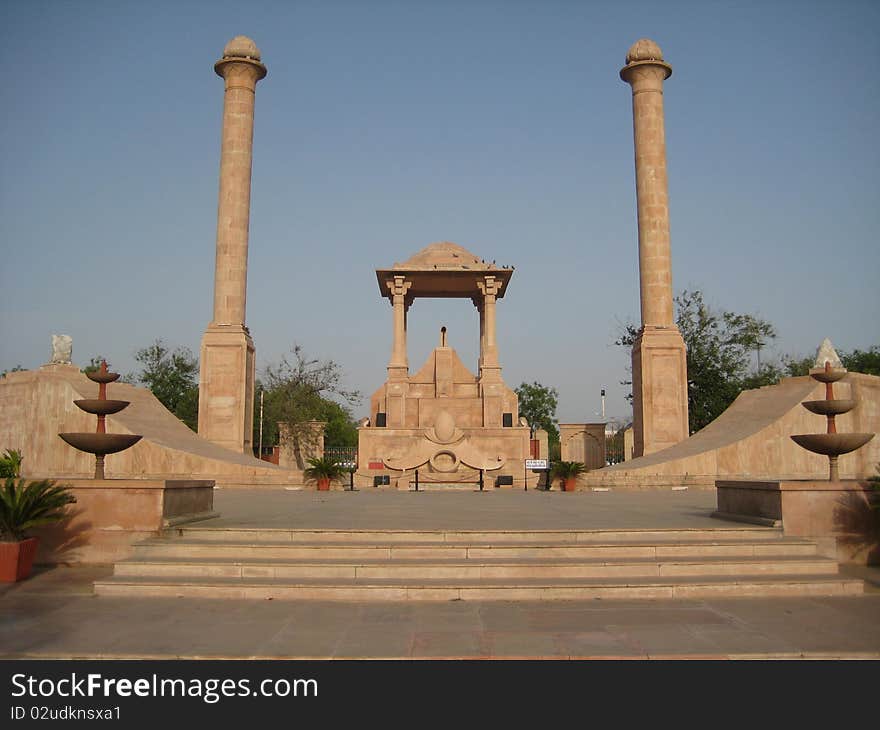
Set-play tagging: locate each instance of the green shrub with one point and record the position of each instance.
(26, 504)
(10, 463)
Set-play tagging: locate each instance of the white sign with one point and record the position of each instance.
(536, 464)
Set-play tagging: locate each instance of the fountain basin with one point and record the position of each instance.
(832, 444)
(101, 407)
(831, 375)
(102, 377)
(100, 443)
(829, 407)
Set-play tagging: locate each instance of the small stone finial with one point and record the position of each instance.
(827, 354)
(644, 49)
(62, 349)
(241, 47)
(443, 337)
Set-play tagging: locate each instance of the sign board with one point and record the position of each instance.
(376, 465)
(536, 464)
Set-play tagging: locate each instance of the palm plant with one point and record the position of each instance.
(10, 463)
(322, 468)
(28, 504)
(568, 469)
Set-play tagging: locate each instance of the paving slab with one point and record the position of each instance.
(54, 615)
(368, 509)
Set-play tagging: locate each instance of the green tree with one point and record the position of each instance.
(719, 347)
(857, 361)
(172, 376)
(300, 389)
(863, 361)
(537, 403)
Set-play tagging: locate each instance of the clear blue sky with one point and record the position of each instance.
(385, 126)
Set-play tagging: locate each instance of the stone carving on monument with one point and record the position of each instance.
(443, 419)
(62, 350)
(444, 448)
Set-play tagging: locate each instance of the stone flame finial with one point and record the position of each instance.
(827, 353)
(644, 49)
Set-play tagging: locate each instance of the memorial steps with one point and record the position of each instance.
(393, 565)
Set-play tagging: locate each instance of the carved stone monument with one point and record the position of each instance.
(62, 350)
(443, 419)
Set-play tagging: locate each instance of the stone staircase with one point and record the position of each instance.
(508, 565)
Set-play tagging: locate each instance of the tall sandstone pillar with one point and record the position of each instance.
(659, 358)
(228, 363)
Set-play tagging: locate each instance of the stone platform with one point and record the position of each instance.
(110, 514)
(838, 515)
(490, 546)
(56, 613)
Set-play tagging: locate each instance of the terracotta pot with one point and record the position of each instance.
(324, 484)
(570, 484)
(17, 559)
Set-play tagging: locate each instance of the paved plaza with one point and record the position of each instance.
(56, 615)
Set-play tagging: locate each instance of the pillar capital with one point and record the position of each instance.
(645, 66)
(242, 60)
(490, 286)
(646, 75)
(398, 286)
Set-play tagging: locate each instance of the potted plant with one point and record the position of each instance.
(568, 472)
(322, 470)
(23, 506)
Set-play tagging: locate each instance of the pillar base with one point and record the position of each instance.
(660, 396)
(226, 387)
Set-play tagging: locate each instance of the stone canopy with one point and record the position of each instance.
(446, 270)
(444, 419)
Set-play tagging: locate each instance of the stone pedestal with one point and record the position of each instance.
(111, 514)
(837, 514)
(226, 387)
(299, 444)
(583, 442)
(659, 368)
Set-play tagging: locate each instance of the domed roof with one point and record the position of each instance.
(241, 47)
(444, 255)
(445, 269)
(644, 49)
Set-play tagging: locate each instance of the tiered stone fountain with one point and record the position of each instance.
(101, 443)
(829, 369)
